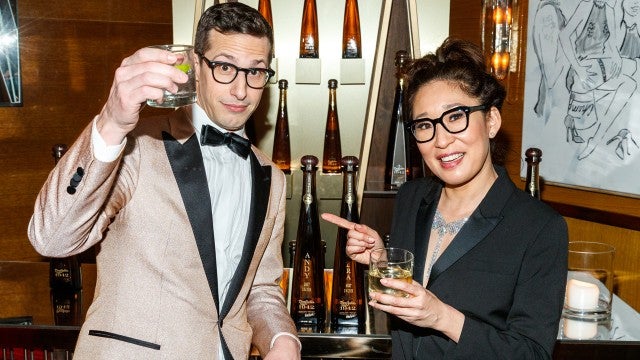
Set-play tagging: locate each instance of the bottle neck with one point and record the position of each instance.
(332, 100)
(309, 187)
(398, 106)
(348, 188)
(532, 183)
(283, 101)
(349, 208)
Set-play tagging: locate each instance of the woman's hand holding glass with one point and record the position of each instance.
(422, 308)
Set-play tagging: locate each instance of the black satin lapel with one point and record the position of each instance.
(225, 348)
(188, 169)
(260, 192)
(476, 228)
(424, 219)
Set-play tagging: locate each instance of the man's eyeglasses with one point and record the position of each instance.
(225, 73)
(454, 120)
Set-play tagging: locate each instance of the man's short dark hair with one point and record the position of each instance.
(231, 18)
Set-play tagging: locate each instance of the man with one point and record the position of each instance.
(190, 234)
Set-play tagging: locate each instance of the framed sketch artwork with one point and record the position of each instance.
(582, 93)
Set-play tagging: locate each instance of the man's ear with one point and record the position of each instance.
(197, 66)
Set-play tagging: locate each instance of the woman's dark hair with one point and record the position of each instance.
(462, 63)
(231, 18)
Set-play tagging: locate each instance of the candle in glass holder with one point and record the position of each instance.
(579, 329)
(582, 295)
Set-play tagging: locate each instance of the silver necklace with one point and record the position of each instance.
(442, 227)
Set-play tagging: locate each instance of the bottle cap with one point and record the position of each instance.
(349, 163)
(402, 57)
(309, 162)
(533, 155)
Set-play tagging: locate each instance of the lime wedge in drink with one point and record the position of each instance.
(184, 67)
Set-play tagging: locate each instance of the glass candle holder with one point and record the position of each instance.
(589, 292)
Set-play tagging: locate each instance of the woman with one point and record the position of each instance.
(491, 261)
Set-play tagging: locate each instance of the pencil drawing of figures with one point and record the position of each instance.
(599, 88)
(582, 97)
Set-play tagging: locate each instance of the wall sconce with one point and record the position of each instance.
(501, 22)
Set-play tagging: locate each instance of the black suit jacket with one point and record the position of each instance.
(505, 270)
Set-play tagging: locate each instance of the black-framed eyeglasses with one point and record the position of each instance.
(225, 73)
(454, 120)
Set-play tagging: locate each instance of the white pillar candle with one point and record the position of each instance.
(579, 330)
(582, 295)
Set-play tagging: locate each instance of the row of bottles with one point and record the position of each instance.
(308, 307)
(65, 278)
(403, 161)
(332, 152)
(309, 38)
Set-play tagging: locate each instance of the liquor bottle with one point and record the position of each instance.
(65, 278)
(351, 42)
(398, 164)
(307, 295)
(281, 144)
(347, 294)
(309, 40)
(264, 8)
(332, 153)
(533, 157)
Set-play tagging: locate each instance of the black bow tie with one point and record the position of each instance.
(214, 137)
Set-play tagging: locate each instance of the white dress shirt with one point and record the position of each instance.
(229, 179)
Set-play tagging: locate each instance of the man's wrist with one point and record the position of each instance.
(101, 150)
(287, 337)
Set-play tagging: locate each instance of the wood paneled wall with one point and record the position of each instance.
(69, 51)
(465, 24)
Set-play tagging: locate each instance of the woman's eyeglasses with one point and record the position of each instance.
(454, 120)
